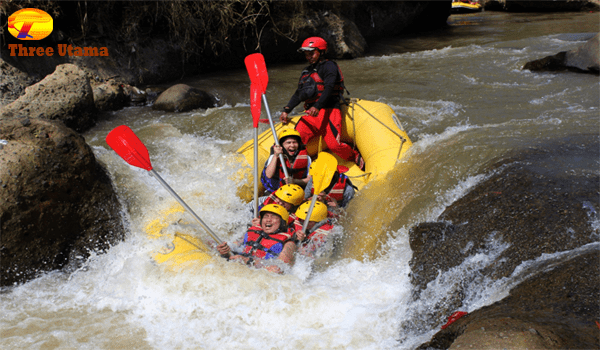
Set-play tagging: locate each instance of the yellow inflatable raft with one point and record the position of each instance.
(183, 249)
(371, 126)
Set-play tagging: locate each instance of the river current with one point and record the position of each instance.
(462, 97)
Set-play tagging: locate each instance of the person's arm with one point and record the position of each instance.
(271, 168)
(287, 253)
(224, 249)
(300, 182)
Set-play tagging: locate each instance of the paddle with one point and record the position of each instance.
(257, 71)
(127, 145)
(255, 110)
(321, 171)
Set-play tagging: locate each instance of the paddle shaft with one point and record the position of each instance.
(170, 190)
(308, 214)
(255, 172)
(264, 98)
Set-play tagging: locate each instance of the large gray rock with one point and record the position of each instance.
(64, 95)
(182, 98)
(58, 203)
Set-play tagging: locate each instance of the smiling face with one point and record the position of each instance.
(270, 223)
(290, 144)
(312, 56)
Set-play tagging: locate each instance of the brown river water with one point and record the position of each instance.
(462, 97)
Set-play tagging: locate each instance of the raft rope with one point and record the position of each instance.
(190, 242)
(402, 139)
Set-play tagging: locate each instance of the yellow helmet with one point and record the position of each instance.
(276, 209)
(319, 212)
(287, 132)
(292, 194)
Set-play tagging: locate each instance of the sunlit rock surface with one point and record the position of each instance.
(58, 204)
(65, 95)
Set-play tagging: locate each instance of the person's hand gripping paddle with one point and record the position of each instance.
(127, 145)
(259, 79)
(322, 171)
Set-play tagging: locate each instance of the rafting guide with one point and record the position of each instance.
(321, 87)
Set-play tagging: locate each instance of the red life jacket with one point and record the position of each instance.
(312, 86)
(322, 230)
(261, 245)
(296, 170)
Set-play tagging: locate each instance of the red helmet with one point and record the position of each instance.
(313, 43)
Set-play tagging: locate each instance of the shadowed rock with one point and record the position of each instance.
(182, 98)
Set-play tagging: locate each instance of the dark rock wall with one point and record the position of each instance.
(539, 202)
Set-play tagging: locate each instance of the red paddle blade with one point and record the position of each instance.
(126, 143)
(257, 70)
(255, 103)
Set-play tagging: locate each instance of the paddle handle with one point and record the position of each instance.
(309, 213)
(281, 160)
(170, 190)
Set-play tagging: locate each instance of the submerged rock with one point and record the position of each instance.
(585, 58)
(58, 203)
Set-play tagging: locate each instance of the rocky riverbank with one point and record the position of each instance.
(537, 206)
